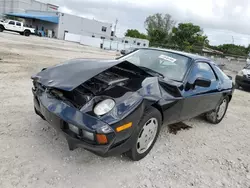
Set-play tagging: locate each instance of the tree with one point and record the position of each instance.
(248, 50)
(158, 27)
(189, 37)
(135, 34)
(233, 49)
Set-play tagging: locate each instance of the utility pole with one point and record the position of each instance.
(233, 39)
(116, 21)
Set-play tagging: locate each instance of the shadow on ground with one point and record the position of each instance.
(178, 127)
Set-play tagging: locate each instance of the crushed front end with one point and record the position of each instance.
(70, 111)
(80, 129)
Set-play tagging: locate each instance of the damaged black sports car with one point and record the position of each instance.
(118, 106)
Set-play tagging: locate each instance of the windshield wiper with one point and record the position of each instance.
(152, 71)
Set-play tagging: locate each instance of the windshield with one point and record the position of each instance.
(169, 64)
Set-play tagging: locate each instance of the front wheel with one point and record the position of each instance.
(1, 29)
(147, 132)
(218, 114)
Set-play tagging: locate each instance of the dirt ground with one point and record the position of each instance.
(33, 155)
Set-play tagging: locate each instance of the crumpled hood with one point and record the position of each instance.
(72, 73)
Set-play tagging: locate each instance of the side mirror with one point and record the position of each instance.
(202, 82)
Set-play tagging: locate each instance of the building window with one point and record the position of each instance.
(112, 33)
(104, 29)
(134, 41)
(138, 43)
(144, 44)
(11, 23)
(93, 36)
(111, 39)
(122, 41)
(18, 23)
(126, 41)
(102, 37)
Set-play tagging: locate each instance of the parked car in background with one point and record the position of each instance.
(242, 79)
(118, 106)
(16, 26)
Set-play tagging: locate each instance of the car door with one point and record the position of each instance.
(197, 99)
(18, 26)
(10, 25)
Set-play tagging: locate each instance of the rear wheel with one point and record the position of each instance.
(146, 133)
(26, 33)
(218, 114)
(1, 29)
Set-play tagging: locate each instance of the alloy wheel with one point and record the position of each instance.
(147, 135)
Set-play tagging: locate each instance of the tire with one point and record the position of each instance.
(21, 33)
(1, 29)
(216, 116)
(26, 33)
(148, 128)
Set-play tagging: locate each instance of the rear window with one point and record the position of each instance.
(18, 23)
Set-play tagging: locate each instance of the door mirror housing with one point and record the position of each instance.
(202, 82)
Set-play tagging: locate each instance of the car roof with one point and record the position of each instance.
(192, 56)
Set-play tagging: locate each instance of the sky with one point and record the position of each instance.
(223, 21)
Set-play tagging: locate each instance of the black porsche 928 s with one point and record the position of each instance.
(118, 106)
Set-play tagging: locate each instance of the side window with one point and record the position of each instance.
(202, 70)
(18, 23)
(11, 23)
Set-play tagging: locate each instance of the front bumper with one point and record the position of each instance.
(242, 81)
(58, 115)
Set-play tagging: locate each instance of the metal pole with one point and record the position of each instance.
(116, 21)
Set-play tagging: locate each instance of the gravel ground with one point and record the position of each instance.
(33, 155)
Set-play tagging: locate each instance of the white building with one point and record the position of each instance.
(136, 42)
(20, 6)
(46, 19)
(83, 26)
